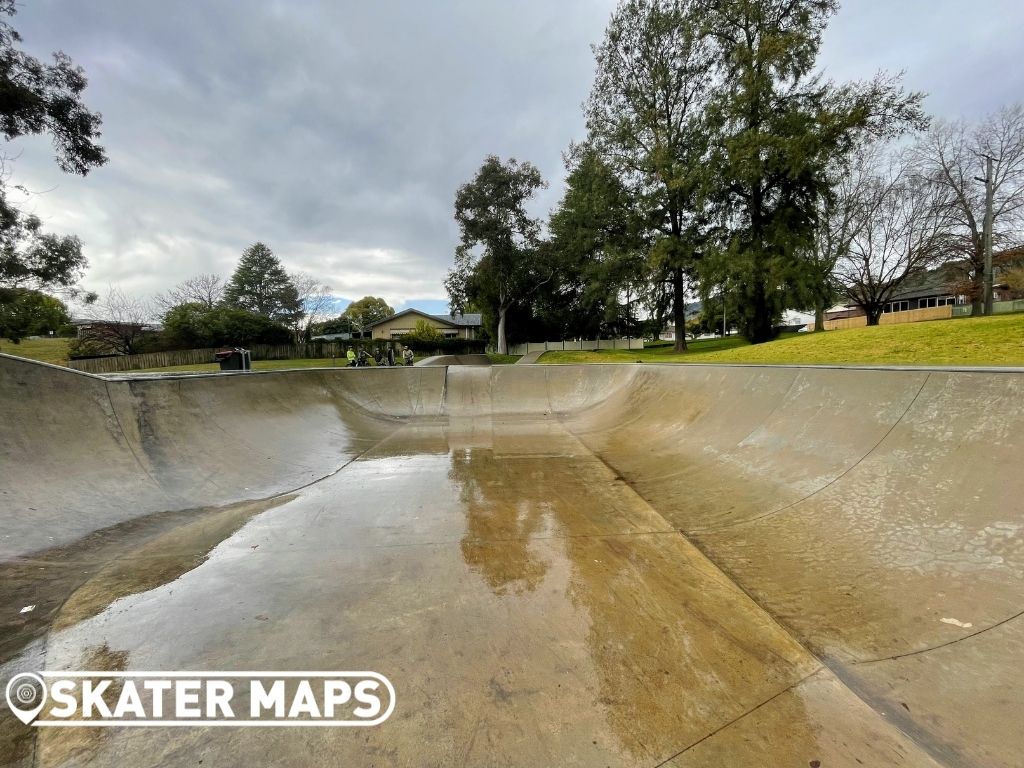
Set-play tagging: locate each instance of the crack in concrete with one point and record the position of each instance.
(736, 719)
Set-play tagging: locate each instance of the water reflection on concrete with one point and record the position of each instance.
(529, 607)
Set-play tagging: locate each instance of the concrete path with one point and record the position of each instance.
(529, 358)
(455, 360)
(567, 565)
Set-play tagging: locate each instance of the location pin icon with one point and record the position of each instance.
(26, 696)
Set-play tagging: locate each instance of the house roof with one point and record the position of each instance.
(934, 282)
(470, 319)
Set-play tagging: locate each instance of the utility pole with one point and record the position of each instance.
(724, 328)
(987, 236)
(629, 317)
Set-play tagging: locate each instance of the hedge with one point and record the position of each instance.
(445, 346)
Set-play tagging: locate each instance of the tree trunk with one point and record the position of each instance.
(819, 316)
(760, 327)
(874, 314)
(978, 285)
(502, 341)
(679, 308)
(759, 318)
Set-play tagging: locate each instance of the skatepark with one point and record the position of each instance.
(625, 565)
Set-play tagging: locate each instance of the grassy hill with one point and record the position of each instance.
(968, 341)
(47, 350)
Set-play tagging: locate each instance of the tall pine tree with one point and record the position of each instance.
(260, 284)
(778, 127)
(645, 116)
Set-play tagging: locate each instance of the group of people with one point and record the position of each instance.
(386, 355)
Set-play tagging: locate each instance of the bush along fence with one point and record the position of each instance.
(444, 346)
(580, 345)
(313, 350)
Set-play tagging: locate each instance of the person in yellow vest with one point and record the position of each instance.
(351, 355)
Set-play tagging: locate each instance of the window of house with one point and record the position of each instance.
(897, 306)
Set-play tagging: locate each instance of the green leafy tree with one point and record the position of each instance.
(425, 332)
(597, 251)
(40, 98)
(261, 285)
(497, 262)
(368, 310)
(777, 129)
(645, 116)
(358, 316)
(29, 313)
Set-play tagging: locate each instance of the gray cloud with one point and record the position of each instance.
(337, 132)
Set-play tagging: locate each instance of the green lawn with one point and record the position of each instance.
(658, 352)
(47, 350)
(968, 341)
(497, 359)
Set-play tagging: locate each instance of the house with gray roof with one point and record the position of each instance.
(454, 326)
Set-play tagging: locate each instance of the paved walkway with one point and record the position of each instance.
(529, 358)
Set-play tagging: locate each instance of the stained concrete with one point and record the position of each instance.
(554, 565)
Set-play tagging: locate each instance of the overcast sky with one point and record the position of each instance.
(337, 131)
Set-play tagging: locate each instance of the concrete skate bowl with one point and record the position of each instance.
(554, 565)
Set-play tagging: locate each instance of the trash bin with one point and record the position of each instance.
(235, 359)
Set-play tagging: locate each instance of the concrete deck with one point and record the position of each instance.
(627, 565)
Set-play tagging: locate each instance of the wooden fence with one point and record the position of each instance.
(891, 318)
(585, 344)
(119, 363)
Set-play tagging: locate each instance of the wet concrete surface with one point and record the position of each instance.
(554, 566)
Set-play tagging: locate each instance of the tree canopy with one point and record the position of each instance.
(25, 312)
(645, 116)
(368, 309)
(777, 128)
(42, 98)
(496, 263)
(597, 249)
(196, 325)
(260, 284)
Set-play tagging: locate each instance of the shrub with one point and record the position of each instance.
(196, 326)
